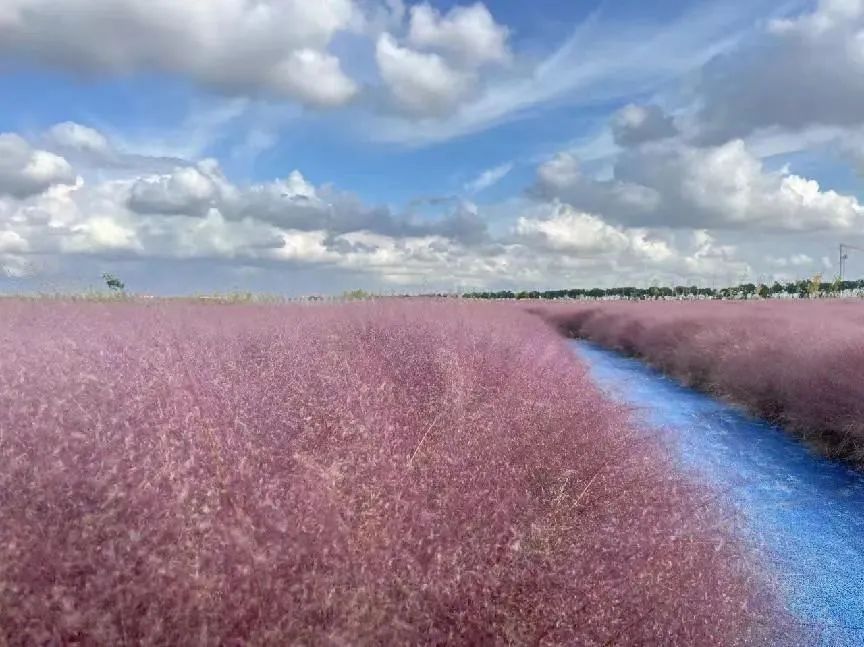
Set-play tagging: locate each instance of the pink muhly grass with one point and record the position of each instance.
(363, 474)
(799, 364)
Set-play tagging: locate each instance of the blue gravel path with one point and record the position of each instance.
(807, 512)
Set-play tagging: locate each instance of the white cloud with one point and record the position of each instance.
(196, 214)
(620, 200)
(677, 185)
(634, 125)
(313, 76)
(470, 34)
(775, 140)
(422, 84)
(73, 136)
(800, 72)
(215, 236)
(94, 220)
(12, 242)
(271, 46)
(489, 177)
(549, 246)
(185, 191)
(292, 203)
(570, 231)
(728, 181)
(442, 61)
(26, 171)
(602, 60)
(437, 65)
(828, 16)
(100, 234)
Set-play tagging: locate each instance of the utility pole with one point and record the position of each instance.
(842, 260)
(844, 256)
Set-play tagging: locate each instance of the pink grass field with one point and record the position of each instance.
(799, 364)
(384, 473)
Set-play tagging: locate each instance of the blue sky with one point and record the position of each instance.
(398, 145)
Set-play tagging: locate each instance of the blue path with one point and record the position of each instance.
(806, 512)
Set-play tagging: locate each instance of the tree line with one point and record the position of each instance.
(806, 288)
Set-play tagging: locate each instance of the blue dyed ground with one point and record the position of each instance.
(806, 511)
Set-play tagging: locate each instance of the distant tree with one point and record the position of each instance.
(747, 289)
(815, 285)
(114, 284)
(355, 295)
(803, 288)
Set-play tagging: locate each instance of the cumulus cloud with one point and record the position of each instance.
(438, 66)
(469, 34)
(271, 46)
(634, 125)
(561, 178)
(549, 244)
(186, 191)
(12, 242)
(421, 84)
(679, 185)
(291, 203)
(95, 220)
(196, 214)
(26, 171)
(70, 225)
(216, 237)
(800, 72)
(568, 230)
(314, 77)
(571, 247)
(73, 136)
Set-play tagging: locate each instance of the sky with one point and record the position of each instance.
(307, 147)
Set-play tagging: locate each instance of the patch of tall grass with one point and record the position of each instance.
(380, 473)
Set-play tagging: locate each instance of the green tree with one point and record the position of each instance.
(114, 284)
(747, 289)
(355, 295)
(814, 286)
